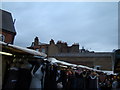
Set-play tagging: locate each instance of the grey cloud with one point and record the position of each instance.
(89, 24)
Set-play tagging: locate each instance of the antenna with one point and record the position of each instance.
(14, 21)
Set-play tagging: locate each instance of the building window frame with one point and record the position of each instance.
(2, 37)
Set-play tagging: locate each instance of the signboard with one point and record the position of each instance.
(117, 61)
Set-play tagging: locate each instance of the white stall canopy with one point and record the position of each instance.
(13, 49)
(53, 60)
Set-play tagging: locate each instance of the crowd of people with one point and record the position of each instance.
(44, 75)
(83, 79)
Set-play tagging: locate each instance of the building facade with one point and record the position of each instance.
(72, 54)
(52, 48)
(7, 29)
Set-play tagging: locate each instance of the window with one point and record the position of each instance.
(2, 37)
(43, 50)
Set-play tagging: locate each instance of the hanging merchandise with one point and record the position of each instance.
(17, 63)
(28, 69)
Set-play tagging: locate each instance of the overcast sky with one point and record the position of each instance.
(93, 25)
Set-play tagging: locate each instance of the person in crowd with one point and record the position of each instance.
(93, 81)
(115, 84)
(108, 83)
(102, 81)
(63, 78)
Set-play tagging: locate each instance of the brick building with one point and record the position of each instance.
(7, 29)
(52, 48)
(72, 54)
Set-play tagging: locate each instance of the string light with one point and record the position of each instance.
(5, 53)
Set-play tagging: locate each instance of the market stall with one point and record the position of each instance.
(82, 77)
(10, 54)
(22, 67)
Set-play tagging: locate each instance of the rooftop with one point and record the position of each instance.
(95, 54)
(7, 23)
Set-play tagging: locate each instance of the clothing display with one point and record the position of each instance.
(18, 75)
(24, 76)
(36, 78)
(12, 78)
(50, 75)
(44, 75)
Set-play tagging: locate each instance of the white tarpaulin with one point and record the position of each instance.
(33, 52)
(53, 60)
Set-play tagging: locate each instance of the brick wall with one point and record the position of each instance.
(9, 37)
(52, 50)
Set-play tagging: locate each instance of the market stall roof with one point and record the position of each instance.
(13, 49)
(53, 60)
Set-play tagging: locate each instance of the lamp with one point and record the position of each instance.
(5, 53)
